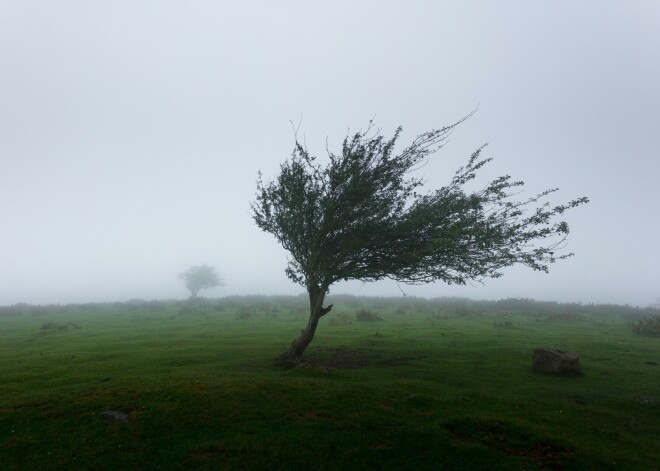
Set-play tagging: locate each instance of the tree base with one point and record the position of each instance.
(283, 362)
(290, 358)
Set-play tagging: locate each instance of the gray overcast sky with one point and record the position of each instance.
(131, 132)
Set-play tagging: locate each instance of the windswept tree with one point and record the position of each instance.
(200, 277)
(360, 217)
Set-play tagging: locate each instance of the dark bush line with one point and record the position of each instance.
(270, 305)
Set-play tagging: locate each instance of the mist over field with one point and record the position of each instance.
(132, 133)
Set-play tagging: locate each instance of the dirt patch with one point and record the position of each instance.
(208, 452)
(510, 441)
(346, 359)
(311, 415)
(398, 361)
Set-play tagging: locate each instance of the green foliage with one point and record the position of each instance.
(360, 217)
(200, 277)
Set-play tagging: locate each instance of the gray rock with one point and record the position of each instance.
(555, 361)
(115, 415)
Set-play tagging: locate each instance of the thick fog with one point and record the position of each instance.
(131, 133)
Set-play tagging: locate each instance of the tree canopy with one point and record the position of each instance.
(361, 216)
(200, 277)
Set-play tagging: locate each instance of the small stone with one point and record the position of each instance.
(115, 415)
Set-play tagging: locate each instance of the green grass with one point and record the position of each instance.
(428, 389)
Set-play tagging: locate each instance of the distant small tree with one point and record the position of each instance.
(200, 277)
(360, 217)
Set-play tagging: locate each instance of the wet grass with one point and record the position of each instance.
(419, 389)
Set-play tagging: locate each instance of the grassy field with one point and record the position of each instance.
(429, 386)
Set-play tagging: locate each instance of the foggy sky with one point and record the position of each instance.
(131, 133)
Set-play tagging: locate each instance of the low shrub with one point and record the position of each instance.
(340, 318)
(503, 324)
(649, 326)
(244, 312)
(366, 315)
(401, 310)
(46, 326)
(467, 312)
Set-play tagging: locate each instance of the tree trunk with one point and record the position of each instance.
(316, 311)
